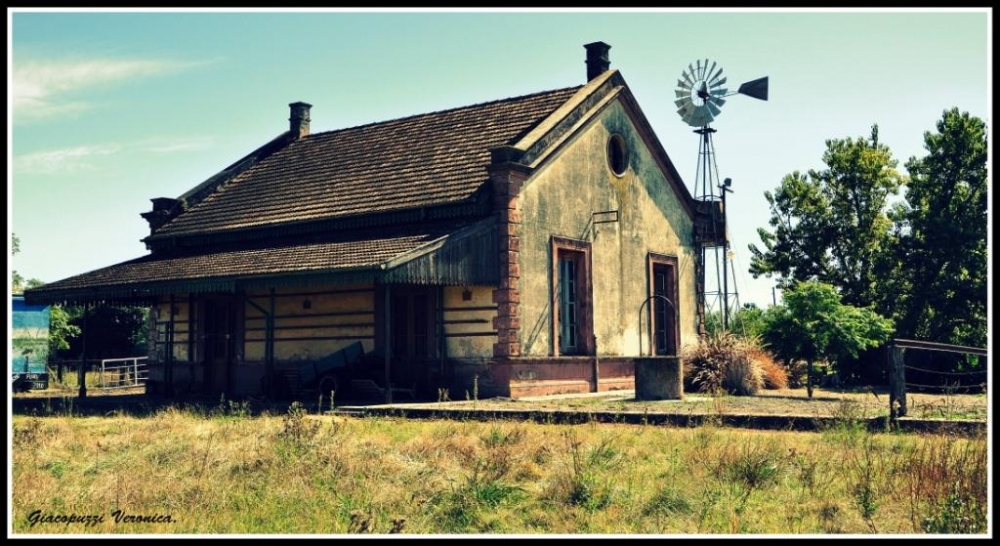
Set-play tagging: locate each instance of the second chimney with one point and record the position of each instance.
(298, 119)
(597, 59)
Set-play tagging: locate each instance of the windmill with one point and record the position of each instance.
(700, 95)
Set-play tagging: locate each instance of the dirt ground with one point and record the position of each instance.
(825, 402)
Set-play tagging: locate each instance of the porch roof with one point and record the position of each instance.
(449, 253)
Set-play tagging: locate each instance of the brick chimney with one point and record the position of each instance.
(597, 59)
(298, 119)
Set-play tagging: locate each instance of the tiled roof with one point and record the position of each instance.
(430, 159)
(362, 249)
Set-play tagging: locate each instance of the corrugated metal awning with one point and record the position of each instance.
(455, 253)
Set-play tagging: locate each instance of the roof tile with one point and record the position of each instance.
(424, 160)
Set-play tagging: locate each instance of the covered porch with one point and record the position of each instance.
(256, 319)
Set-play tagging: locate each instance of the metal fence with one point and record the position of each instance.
(124, 373)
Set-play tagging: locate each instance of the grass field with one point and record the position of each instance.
(225, 471)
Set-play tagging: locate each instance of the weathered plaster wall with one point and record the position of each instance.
(337, 316)
(560, 198)
(468, 325)
(182, 315)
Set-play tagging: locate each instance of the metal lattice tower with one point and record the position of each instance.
(716, 295)
(700, 94)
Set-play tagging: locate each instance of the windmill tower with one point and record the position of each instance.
(700, 95)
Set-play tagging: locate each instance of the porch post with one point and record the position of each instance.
(82, 371)
(269, 337)
(168, 365)
(388, 346)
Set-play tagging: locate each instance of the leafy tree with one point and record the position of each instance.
(831, 225)
(746, 322)
(17, 282)
(112, 331)
(943, 237)
(61, 332)
(813, 324)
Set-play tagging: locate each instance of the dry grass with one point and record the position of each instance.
(226, 472)
(775, 375)
(722, 362)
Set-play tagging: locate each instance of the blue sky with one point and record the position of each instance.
(112, 109)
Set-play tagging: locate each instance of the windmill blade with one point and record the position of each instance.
(683, 85)
(715, 76)
(713, 109)
(681, 93)
(681, 102)
(720, 92)
(720, 83)
(710, 70)
(719, 101)
(756, 88)
(690, 73)
(701, 118)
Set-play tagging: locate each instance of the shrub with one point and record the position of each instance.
(775, 375)
(795, 371)
(722, 362)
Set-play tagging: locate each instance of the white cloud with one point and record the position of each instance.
(65, 160)
(192, 144)
(76, 159)
(42, 89)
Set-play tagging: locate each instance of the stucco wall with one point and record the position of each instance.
(559, 199)
(468, 325)
(346, 313)
(161, 317)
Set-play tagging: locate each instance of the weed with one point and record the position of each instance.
(866, 472)
(829, 516)
(667, 501)
(498, 436)
(945, 480)
(27, 435)
(586, 484)
(297, 429)
(849, 424)
(710, 497)
(232, 409)
(443, 395)
(957, 514)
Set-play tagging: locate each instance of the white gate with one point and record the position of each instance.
(124, 373)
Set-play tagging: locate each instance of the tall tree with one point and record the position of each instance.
(831, 225)
(17, 282)
(943, 235)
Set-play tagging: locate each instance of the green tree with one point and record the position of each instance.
(17, 282)
(746, 322)
(61, 332)
(831, 225)
(812, 324)
(112, 331)
(943, 236)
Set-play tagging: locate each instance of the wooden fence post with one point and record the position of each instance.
(897, 382)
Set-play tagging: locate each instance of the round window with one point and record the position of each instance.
(617, 155)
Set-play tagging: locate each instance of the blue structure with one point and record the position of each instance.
(30, 345)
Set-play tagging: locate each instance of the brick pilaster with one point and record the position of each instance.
(507, 177)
